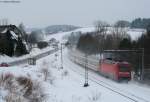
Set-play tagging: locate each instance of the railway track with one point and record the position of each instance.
(114, 89)
(140, 98)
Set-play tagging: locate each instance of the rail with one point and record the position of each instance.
(127, 95)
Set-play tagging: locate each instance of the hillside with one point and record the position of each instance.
(59, 28)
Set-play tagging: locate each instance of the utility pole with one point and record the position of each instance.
(61, 55)
(86, 71)
(142, 70)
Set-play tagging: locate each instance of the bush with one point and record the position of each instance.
(45, 70)
(64, 73)
(47, 73)
(20, 89)
(37, 93)
(87, 44)
(42, 44)
(12, 97)
(27, 85)
(6, 81)
(95, 97)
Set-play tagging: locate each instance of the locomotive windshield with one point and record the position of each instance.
(124, 68)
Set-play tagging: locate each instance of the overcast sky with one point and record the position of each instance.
(40, 13)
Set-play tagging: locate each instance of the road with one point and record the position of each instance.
(39, 56)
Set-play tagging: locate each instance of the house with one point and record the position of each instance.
(11, 41)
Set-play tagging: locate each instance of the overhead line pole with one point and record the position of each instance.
(61, 51)
(86, 84)
(142, 71)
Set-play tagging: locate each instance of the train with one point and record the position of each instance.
(114, 69)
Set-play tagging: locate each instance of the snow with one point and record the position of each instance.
(135, 33)
(69, 87)
(4, 31)
(85, 29)
(34, 52)
(4, 58)
(59, 36)
(14, 36)
(132, 88)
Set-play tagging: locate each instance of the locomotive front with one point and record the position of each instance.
(124, 71)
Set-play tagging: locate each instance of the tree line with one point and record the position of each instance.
(116, 39)
(140, 23)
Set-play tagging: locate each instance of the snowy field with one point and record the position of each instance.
(134, 33)
(66, 85)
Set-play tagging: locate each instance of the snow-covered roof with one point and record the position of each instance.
(4, 31)
(14, 36)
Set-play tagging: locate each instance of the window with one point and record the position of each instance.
(124, 68)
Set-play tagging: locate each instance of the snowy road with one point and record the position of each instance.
(25, 60)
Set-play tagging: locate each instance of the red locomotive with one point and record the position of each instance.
(116, 70)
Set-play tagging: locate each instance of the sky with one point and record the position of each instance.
(41, 13)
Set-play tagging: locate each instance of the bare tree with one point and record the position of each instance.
(22, 27)
(23, 31)
(101, 28)
(119, 32)
(111, 39)
(122, 23)
(4, 21)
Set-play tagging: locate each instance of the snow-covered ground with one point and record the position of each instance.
(131, 89)
(135, 33)
(66, 85)
(59, 36)
(34, 52)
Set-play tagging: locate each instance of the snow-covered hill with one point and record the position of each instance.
(134, 33)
